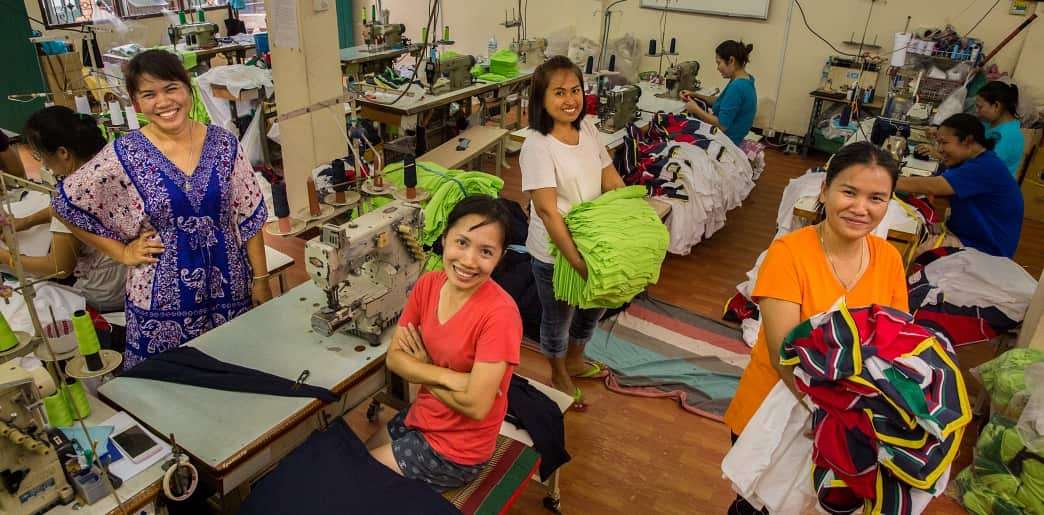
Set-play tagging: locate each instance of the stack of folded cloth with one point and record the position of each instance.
(623, 243)
(504, 62)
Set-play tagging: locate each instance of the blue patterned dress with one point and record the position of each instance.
(203, 279)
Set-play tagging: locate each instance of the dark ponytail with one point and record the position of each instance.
(58, 126)
(964, 125)
(1007, 95)
(737, 50)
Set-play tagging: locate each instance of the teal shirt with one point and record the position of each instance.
(735, 108)
(1010, 143)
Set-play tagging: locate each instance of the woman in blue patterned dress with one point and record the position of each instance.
(178, 204)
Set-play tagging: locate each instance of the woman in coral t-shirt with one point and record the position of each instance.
(458, 337)
(808, 270)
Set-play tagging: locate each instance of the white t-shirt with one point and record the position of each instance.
(574, 170)
(102, 281)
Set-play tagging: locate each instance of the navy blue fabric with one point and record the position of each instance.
(332, 473)
(530, 409)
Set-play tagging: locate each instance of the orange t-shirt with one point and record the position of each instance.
(796, 270)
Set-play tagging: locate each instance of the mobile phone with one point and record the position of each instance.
(134, 443)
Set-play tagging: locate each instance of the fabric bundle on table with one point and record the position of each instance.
(447, 188)
(623, 243)
(504, 62)
(891, 407)
(967, 294)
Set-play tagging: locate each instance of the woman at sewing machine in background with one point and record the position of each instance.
(986, 205)
(563, 165)
(62, 140)
(458, 337)
(177, 203)
(997, 105)
(734, 108)
(805, 272)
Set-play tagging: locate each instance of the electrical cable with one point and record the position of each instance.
(810, 29)
(981, 19)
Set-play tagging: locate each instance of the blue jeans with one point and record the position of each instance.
(559, 321)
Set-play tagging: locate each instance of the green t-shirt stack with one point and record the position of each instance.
(623, 243)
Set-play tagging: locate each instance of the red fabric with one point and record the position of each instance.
(962, 330)
(487, 328)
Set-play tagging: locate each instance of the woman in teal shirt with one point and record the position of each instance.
(996, 105)
(733, 110)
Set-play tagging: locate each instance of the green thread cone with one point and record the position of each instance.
(80, 408)
(86, 336)
(8, 340)
(59, 414)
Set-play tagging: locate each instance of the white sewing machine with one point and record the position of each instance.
(366, 267)
(31, 476)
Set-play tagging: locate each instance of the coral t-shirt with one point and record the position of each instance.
(487, 328)
(796, 270)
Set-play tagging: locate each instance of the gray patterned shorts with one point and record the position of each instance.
(419, 461)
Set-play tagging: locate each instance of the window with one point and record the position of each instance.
(64, 13)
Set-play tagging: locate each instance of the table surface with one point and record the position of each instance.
(648, 103)
(200, 52)
(447, 154)
(422, 101)
(362, 53)
(216, 426)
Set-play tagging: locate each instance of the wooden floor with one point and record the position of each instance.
(639, 455)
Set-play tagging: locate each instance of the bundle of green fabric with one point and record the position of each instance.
(622, 242)
(1005, 379)
(447, 188)
(504, 62)
(1005, 478)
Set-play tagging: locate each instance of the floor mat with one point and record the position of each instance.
(655, 349)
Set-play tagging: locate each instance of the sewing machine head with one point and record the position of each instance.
(384, 36)
(195, 35)
(33, 479)
(530, 50)
(366, 267)
(451, 73)
(687, 72)
(618, 107)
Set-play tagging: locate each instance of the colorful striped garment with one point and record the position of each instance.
(891, 406)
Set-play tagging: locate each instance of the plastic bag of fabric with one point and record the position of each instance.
(628, 53)
(1005, 477)
(580, 48)
(1004, 378)
(1031, 423)
(558, 41)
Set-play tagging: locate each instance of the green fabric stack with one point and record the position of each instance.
(447, 188)
(504, 63)
(622, 242)
(199, 110)
(1005, 478)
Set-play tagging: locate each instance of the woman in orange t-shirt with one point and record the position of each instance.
(805, 272)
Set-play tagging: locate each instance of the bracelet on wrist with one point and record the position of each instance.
(257, 277)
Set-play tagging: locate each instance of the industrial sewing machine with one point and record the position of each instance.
(449, 74)
(530, 50)
(31, 475)
(366, 267)
(381, 35)
(617, 107)
(196, 35)
(684, 77)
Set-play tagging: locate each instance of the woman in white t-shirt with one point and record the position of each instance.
(563, 164)
(63, 140)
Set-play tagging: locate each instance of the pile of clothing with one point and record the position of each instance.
(968, 295)
(618, 268)
(1007, 475)
(891, 408)
(692, 166)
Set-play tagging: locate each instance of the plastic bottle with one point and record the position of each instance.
(491, 47)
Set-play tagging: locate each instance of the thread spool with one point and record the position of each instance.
(590, 65)
(181, 17)
(373, 12)
(673, 43)
(83, 106)
(87, 339)
(281, 206)
(445, 33)
(76, 395)
(424, 34)
(340, 180)
(362, 15)
(612, 63)
(59, 411)
(313, 198)
(899, 48)
(115, 113)
(652, 47)
(132, 118)
(202, 17)
(8, 340)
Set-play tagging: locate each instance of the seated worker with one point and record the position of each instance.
(733, 110)
(458, 337)
(62, 140)
(996, 105)
(986, 205)
(805, 272)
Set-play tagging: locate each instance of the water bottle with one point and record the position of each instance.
(491, 46)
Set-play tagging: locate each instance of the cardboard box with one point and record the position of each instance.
(63, 72)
